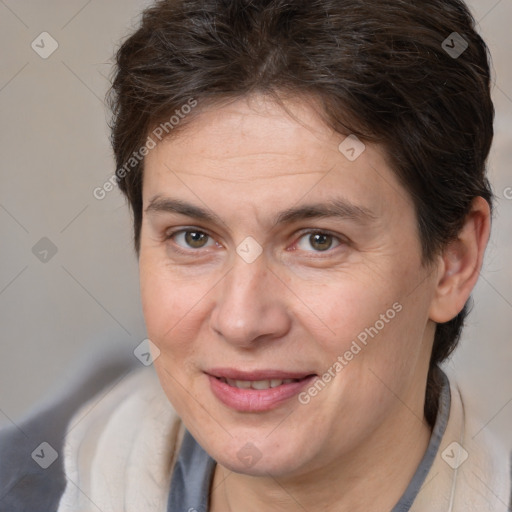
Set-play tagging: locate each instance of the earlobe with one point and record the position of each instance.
(460, 263)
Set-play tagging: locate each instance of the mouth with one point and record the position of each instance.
(256, 391)
(257, 384)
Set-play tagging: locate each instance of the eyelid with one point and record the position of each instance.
(170, 234)
(339, 238)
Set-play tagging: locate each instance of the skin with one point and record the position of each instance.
(357, 443)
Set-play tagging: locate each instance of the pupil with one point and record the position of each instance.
(195, 238)
(321, 242)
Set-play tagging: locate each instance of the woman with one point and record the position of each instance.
(311, 212)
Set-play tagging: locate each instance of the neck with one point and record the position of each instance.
(371, 478)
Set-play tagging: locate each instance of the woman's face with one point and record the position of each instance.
(282, 282)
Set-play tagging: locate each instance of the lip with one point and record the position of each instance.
(256, 400)
(233, 373)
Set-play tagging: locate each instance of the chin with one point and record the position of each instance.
(250, 455)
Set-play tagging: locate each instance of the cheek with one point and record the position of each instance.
(370, 323)
(345, 306)
(173, 307)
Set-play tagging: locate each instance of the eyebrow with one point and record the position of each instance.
(167, 205)
(337, 208)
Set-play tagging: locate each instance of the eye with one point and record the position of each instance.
(319, 241)
(192, 239)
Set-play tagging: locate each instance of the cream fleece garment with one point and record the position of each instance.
(122, 446)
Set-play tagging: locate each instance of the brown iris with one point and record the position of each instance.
(196, 239)
(320, 241)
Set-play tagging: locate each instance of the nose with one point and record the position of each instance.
(250, 306)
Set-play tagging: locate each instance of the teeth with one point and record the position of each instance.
(258, 384)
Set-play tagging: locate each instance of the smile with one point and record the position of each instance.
(257, 384)
(256, 391)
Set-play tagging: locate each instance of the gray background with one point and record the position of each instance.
(84, 299)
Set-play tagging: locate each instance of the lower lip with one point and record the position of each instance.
(256, 400)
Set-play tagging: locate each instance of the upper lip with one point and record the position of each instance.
(234, 374)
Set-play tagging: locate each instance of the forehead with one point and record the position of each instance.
(254, 154)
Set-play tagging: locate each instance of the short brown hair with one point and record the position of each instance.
(382, 69)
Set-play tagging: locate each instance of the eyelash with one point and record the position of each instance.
(180, 250)
(168, 237)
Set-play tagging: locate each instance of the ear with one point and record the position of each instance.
(460, 263)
